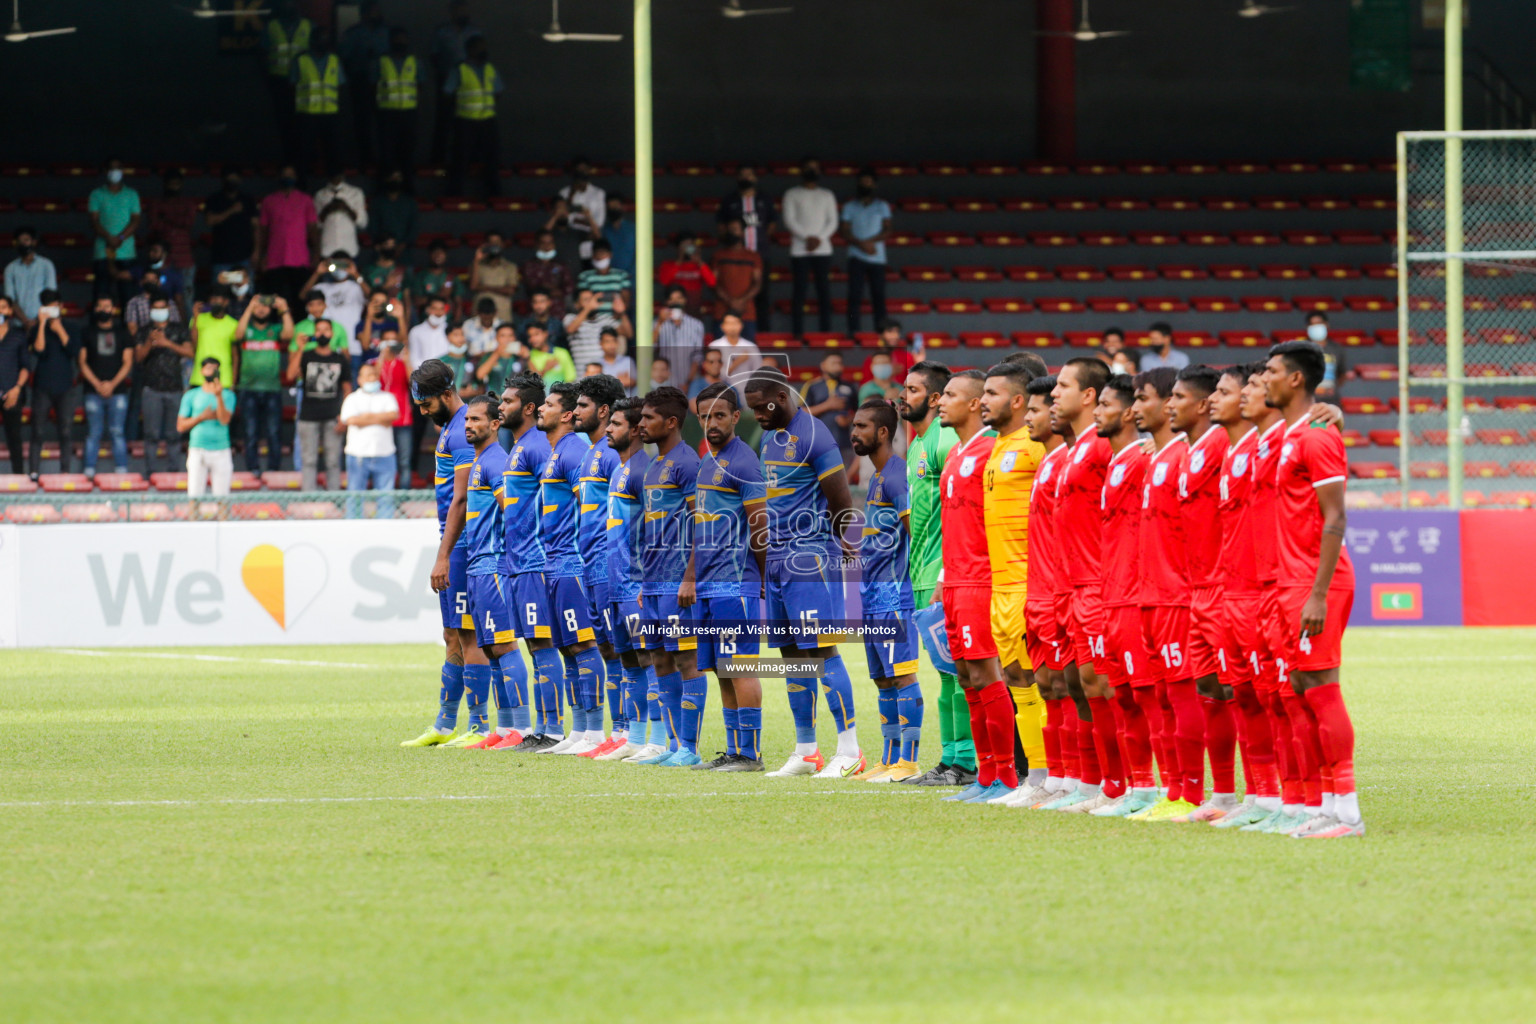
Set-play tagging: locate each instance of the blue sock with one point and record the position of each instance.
(449, 691)
(909, 700)
(589, 687)
(613, 690)
(731, 725)
(634, 702)
(695, 692)
(477, 683)
(670, 686)
(549, 680)
(839, 692)
(749, 732)
(514, 677)
(654, 709)
(890, 726)
(499, 695)
(802, 706)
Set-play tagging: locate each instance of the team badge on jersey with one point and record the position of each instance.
(1285, 452)
(922, 466)
(1117, 476)
(1159, 474)
(1239, 464)
(1009, 458)
(1196, 462)
(968, 465)
(1045, 473)
(789, 449)
(1080, 453)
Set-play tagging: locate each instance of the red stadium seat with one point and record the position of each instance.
(1205, 238)
(1103, 239)
(1145, 168)
(949, 239)
(1425, 304)
(1233, 272)
(1486, 469)
(1074, 205)
(121, 482)
(1036, 339)
(314, 510)
(904, 305)
(1327, 203)
(955, 306)
(1266, 304)
(983, 339)
(90, 512)
(1028, 273)
(1379, 271)
(1353, 439)
(1007, 305)
(1245, 339)
(1385, 438)
(1224, 204)
(976, 273)
(256, 510)
(1335, 271)
(1110, 304)
(1432, 438)
(31, 513)
(1194, 339)
(1275, 203)
(1503, 336)
(1351, 338)
(1084, 339)
(1246, 167)
(169, 482)
(282, 480)
(1124, 204)
(1176, 203)
(1025, 205)
(943, 169)
(1523, 468)
(1255, 238)
(1376, 371)
(990, 169)
(1352, 237)
(1130, 272)
(772, 340)
(16, 483)
(1427, 470)
(1196, 168)
(1048, 239)
(63, 483)
(1370, 303)
(1508, 403)
(1355, 405)
(1075, 272)
(1154, 238)
(1374, 470)
(1213, 304)
(1182, 272)
(242, 481)
(1499, 436)
(1164, 304)
(1316, 303)
(1424, 499)
(830, 339)
(1059, 305)
(1282, 271)
(155, 512)
(925, 273)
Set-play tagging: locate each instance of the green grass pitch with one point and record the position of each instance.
(235, 839)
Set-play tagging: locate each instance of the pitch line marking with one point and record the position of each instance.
(245, 801)
(227, 658)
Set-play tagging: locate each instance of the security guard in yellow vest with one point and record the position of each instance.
(317, 81)
(398, 79)
(474, 85)
(286, 35)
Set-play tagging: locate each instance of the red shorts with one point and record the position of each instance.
(1240, 647)
(1323, 651)
(1043, 638)
(1086, 627)
(1165, 631)
(1206, 630)
(1127, 655)
(1269, 640)
(968, 621)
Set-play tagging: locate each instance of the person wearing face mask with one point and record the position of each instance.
(429, 339)
(394, 213)
(285, 233)
(154, 274)
(28, 275)
(892, 342)
(321, 370)
(833, 400)
(386, 273)
(547, 273)
(55, 358)
(343, 211)
(755, 212)
(115, 212)
(688, 272)
(397, 86)
(395, 378)
(584, 328)
(1162, 352)
(619, 233)
(456, 358)
(866, 225)
(474, 85)
(492, 276)
(603, 279)
(232, 215)
(13, 379)
(738, 278)
(213, 333)
(678, 335)
(810, 214)
(346, 300)
(171, 217)
(160, 347)
(204, 416)
(263, 334)
(105, 363)
(369, 414)
(586, 207)
(1333, 358)
(880, 383)
(437, 281)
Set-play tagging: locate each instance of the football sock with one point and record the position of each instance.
(732, 722)
(514, 678)
(1169, 732)
(1107, 746)
(548, 680)
(839, 689)
(477, 684)
(450, 690)
(1261, 776)
(1050, 737)
(670, 686)
(1221, 743)
(499, 697)
(948, 692)
(997, 706)
(802, 707)
(1137, 741)
(1304, 738)
(1285, 748)
(613, 690)
(654, 710)
(1030, 717)
(1088, 771)
(572, 676)
(749, 732)
(634, 702)
(1189, 739)
(890, 725)
(692, 697)
(964, 755)
(986, 771)
(589, 689)
(909, 710)
(1066, 737)
(1152, 715)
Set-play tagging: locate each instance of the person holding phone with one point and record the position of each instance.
(204, 417)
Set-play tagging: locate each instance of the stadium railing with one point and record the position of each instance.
(158, 507)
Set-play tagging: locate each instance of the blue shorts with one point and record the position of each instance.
(488, 609)
(597, 603)
(570, 611)
(528, 603)
(891, 656)
(804, 598)
(734, 613)
(661, 611)
(454, 602)
(622, 620)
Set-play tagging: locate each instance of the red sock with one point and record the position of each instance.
(1152, 717)
(1066, 739)
(1260, 775)
(1088, 755)
(986, 766)
(1107, 745)
(1136, 741)
(1002, 724)
(1221, 743)
(1309, 756)
(1285, 749)
(1172, 780)
(1050, 733)
(1189, 739)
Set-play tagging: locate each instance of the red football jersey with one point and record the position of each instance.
(1044, 556)
(962, 513)
(1311, 455)
(1238, 562)
(1078, 518)
(1265, 518)
(1200, 489)
(1121, 503)
(1164, 565)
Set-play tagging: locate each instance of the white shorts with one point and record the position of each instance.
(203, 463)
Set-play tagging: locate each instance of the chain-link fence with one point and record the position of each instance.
(254, 506)
(1466, 366)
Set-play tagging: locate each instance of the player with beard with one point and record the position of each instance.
(595, 398)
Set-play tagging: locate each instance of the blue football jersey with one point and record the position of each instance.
(795, 461)
(626, 500)
(667, 526)
(453, 451)
(559, 483)
(886, 543)
(592, 519)
(482, 520)
(523, 552)
(722, 548)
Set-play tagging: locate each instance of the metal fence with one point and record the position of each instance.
(252, 506)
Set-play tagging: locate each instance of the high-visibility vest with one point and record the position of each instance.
(318, 93)
(476, 100)
(281, 50)
(397, 86)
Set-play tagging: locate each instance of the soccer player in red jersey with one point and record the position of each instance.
(1127, 651)
(1079, 525)
(1317, 579)
(1189, 412)
(966, 590)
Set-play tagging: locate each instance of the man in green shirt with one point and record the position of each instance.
(554, 366)
(204, 416)
(262, 337)
(931, 442)
(115, 212)
(213, 333)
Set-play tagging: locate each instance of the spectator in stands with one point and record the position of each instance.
(382, 316)
(115, 214)
(493, 276)
(239, 281)
(586, 206)
(394, 213)
(677, 334)
(457, 360)
(661, 371)
(161, 345)
(28, 275)
(105, 363)
(396, 94)
(688, 272)
(741, 356)
(154, 273)
(614, 362)
(619, 233)
(592, 370)
(881, 382)
(891, 342)
(137, 313)
(317, 81)
(1114, 341)
(1333, 359)
(204, 416)
(13, 378)
(544, 272)
(710, 370)
(738, 278)
(1127, 360)
(285, 232)
(553, 364)
(55, 352)
(603, 279)
(541, 310)
(386, 273)
(474, 85)
(584, 328)
(503, 359)
(437, 281)
(369, 414)
(1162, 352)
(361, 47)
(286, 37)
(263, 335)
(866, 225)
(213, 332)
(429, 339)
(754, 211)
(449, 42)
(321, 370)
(568, 240)
(832, 400)
(233, 216)
(395, 377)
(480, 329)
(343, 210)
(810, 214)
(346, 302)
(171, 219)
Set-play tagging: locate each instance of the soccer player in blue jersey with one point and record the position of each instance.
(523, 564)
(890, 643)
(809, 507)
(666, 530)
(570, 611)
(595, 399)
(730, 527)
(433, 393)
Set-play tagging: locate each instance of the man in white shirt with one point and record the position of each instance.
(587, 207)
(346, 296)
(741, 356)
(428, 339)
(342, 210)
(368, 414)
(810, 214)
(480, 329)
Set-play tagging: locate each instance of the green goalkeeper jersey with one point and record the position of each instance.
(925, 459)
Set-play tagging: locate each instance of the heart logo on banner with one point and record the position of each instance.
(284, 581)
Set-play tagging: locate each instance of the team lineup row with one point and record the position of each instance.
(1106, 541)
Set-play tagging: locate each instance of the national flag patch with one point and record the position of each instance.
(1397, 601)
